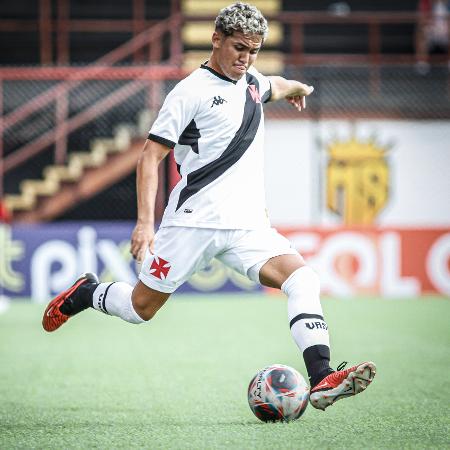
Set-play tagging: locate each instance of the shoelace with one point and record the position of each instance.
(341, 366)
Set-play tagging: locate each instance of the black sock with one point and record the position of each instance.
(80, 300)
(317, 362)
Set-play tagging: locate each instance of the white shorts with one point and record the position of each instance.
(179, 252)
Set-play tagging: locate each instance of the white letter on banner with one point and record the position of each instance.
(115, 262)
(43, 282)
(437, 264)
(347, 243)
(86, 250)
(392, 283)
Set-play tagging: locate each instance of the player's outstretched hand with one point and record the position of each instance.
(141, 239)
(298, 99)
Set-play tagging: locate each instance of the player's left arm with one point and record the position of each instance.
(293, 91)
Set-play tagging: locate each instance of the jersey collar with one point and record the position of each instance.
(217, 74)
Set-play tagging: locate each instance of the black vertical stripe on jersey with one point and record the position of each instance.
(190, 136)
(267, 95)
(242, 140)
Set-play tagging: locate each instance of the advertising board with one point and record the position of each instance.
(38, 262)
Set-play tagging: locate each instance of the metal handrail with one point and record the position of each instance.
(100, 66)
(73, 77)
(104, 66)
(101, 106)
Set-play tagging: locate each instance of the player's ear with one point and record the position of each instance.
(216, 39)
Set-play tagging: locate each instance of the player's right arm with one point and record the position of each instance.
(147, 186)
(177, 111)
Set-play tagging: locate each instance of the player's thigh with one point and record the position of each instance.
(178, 253)
(251, 250)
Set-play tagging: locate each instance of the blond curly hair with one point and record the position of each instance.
(241, 17)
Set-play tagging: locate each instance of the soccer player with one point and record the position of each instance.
(217, 209)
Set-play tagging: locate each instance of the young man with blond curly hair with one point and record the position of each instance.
(214, 121)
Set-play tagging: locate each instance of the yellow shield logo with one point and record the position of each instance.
(357, 180)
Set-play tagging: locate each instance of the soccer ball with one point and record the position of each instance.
(278, 393)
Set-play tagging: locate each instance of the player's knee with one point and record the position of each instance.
(146, 306)
(304, 279)
(303, 291)
(143, 310)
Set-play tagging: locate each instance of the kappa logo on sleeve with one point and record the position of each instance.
(159, 268)
(254, 93)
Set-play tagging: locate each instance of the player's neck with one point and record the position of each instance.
(213, 64)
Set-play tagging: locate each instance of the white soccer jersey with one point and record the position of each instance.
(218, 124)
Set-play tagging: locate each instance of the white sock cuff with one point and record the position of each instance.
(115, 299)
(98, 297)
(130, 315)
(305, 278)
(303, 291)
(304, 309)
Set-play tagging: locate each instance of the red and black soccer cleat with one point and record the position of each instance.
(341, 384)
(53, 317)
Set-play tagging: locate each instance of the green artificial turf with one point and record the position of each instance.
(181, 381)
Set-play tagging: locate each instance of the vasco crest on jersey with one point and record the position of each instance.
(254, 93)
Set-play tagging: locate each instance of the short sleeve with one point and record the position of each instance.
(179, 108)
(265, 88)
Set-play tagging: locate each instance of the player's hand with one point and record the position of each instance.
(298, 100)
(141, 239)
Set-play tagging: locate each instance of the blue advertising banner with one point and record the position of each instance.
(39, 261)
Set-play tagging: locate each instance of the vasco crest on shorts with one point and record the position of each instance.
(159, 268)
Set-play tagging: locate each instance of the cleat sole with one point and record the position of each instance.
(355, 383)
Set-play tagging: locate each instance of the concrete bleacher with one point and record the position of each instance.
(363, 89)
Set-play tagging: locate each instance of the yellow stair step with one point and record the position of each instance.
(19, 202)
(53, 175)
(212, 7)
(63, 173)
(40, 187)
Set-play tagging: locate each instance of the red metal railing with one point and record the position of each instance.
(58, 20)
(54, 28)
(141, 76)
(150, 41)
(295, 23)
(64, 127)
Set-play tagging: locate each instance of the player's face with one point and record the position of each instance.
(236, 53)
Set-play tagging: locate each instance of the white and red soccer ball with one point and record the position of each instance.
(278, 393)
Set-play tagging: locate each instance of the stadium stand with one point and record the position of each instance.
(80, 85)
